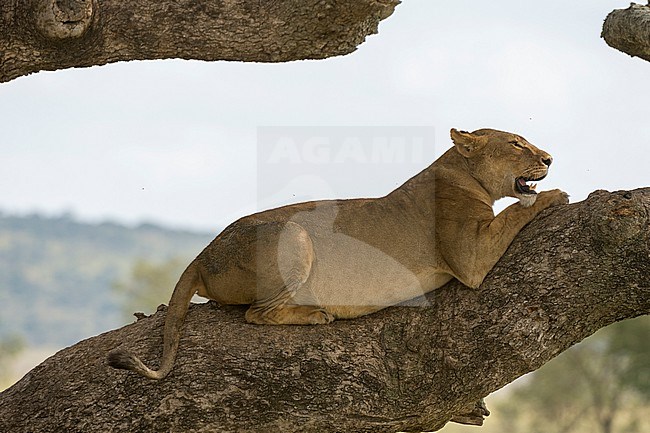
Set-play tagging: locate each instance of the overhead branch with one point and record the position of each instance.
(572, 270)
(40, 35)
(628, 30)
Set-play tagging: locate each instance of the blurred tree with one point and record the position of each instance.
(597, 385)
(148, 285)
(10, 347)
(629, 342)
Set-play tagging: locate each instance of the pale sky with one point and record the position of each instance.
(176, 142)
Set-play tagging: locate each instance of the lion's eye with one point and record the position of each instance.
(517, 144)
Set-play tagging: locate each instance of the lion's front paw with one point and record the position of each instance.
(554, 197)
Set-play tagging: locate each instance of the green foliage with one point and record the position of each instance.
(148, 285)
(599, 385)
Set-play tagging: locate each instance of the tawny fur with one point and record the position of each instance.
(314, 262)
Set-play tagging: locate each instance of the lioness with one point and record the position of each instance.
(313, 262)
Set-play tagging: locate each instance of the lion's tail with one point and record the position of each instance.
(186, 287)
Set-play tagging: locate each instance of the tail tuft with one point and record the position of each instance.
(120, 358)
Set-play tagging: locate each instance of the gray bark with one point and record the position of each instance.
(571, 271)
(40, 35)
(628, 30)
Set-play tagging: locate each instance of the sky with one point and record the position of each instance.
(191, 144)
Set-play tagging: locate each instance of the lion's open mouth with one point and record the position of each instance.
(522, 186)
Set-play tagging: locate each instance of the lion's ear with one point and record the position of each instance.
(467, 144)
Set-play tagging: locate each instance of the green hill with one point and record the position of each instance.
(56, 274)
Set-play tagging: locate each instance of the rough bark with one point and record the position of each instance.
(628, 30)
(56, 34)
(573, 270)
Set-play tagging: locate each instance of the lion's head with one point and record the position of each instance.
(504, 163)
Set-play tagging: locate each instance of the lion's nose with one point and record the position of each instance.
(547, 161)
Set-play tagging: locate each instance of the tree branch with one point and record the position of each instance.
(573, 270)
(56, 34)
(628, 30)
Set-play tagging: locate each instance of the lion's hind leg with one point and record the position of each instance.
(273, 306)
(278, 309)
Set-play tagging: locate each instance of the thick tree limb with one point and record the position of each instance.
(573, 270)
(56, 34)
(628, 30)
